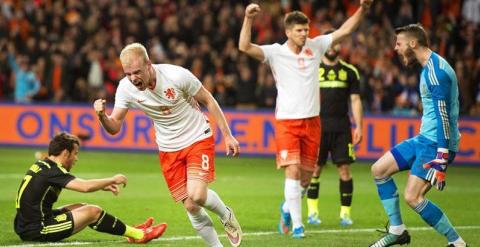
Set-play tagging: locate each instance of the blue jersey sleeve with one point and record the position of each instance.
(440, 85)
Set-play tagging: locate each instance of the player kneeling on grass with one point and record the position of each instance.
(41, 186)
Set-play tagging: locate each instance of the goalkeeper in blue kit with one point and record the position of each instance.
(428, 154)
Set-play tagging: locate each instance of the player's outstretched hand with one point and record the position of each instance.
(113, 188)
(99, 106)
(437, 170)
(252, 10)
(232, 146)
(120, 179)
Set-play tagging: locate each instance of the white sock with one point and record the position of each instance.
(216, 205)
(293, 199)
(397, 230)
(459, 242)
(285, 207)
(203, 224)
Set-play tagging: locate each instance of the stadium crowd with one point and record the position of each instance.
(67, 51)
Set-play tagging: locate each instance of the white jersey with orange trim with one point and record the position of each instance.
(178, 124)
(296, 77)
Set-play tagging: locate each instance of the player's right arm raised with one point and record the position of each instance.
(244, 43)
(113, 123)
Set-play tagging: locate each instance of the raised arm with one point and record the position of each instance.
(113, 123)
(352, 23)
(244, 43)
(91, 185)
(206, 99)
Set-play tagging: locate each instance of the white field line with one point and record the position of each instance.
(359, 230)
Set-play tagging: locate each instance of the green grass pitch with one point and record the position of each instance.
(253, 187)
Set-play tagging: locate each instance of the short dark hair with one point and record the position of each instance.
(61, 142)
(416, 31)
(295, 17)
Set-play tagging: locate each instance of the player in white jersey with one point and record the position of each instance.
(168, 95)
(294, 66)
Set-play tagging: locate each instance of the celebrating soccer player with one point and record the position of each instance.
(339, 83)
(168, 95)
(428, 154)
(41, 186)
(295, 68)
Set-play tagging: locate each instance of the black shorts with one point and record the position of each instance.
(55, 228)
(339, 145)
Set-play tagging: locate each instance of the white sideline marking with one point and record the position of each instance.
(424, 228)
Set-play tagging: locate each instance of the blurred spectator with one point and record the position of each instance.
(26, 83)
(73, 46)
(471, 11)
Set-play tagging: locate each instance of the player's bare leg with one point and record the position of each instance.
(346, 193)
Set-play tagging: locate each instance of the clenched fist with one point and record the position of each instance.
(366, 3)
(252, 10)
(99, 106)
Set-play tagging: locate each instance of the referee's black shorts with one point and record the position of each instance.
(55, 228)
(339, 145)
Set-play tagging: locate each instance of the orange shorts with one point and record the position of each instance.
(193, 162)
(298, 142)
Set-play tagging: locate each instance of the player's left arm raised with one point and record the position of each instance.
(440, 85)
(351, 23)
(206, 98)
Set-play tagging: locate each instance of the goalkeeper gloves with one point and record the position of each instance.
(437, 169)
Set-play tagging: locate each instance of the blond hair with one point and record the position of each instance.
(133, 50)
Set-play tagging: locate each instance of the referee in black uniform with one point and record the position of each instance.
(339, 84)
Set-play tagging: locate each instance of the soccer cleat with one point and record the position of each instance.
(452, 245)
(391, 239)
(233, 229)
(151, 233)
(313, 219)
(298, 232)
(346, 221)
(144, 225)
(285, 221)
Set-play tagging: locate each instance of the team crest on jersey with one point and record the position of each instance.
(169, 93)
(308, 52)
(61, 217)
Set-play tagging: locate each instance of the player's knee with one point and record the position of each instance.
(198, 198)
(412, 199)
(376, 171)
(305, 182)
(94, 211)
(293, 172)
(344, 173)
(191, 206)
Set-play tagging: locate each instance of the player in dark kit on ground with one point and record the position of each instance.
(41, 187)
(339, 84)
